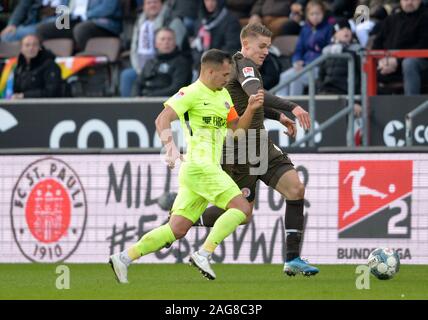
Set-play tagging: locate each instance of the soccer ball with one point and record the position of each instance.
(384, 263)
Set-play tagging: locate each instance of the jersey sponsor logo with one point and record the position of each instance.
(215, 121)
(248, 71)
(375, 199)
(48, 211)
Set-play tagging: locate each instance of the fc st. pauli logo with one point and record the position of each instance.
(48, 211)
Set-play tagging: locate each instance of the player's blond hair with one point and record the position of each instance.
(255, 29)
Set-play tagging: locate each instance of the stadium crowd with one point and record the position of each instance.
(159, 43)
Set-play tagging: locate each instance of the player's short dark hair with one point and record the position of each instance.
(255, 29)
(215, 56)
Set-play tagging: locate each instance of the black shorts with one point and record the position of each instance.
(278, 164)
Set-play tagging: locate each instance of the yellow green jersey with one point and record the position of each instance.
(208, 114)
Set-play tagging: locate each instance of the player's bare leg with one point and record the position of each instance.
(152, 241)
(212, 213)
(293, 190)
(238, 209)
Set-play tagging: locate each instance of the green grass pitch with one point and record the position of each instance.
(180, 281)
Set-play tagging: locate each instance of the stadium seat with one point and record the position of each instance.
(286, 44)
(9, 49)
(391, 88)
(92, 78)
(60, 47)
(398, 88)
(102, 46)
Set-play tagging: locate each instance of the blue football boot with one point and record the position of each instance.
(297, 265)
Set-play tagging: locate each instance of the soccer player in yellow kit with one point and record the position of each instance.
(201, 179)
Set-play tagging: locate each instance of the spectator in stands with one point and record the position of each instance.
(241, 9)
(187, 11)
(272, 13)
(36, 74)
(139, 5)
(154, 16)
(296, 19)
(333, 73)
(271, 68)
(27, 15)
(3, 23)
(167, 72)
(342, 9)
(216, 28)
(406, 29)
(89, 19)
(314, 36)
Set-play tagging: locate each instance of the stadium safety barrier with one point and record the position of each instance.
(310, 69)
(370, 64)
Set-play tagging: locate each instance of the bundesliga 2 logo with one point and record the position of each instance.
(48, 211)
(375, 199)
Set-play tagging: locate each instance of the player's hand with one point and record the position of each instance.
(256, 101)
(303, 117)
(289, 124)
(172, 155)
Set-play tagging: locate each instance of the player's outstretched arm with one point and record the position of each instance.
(255, 102)
(163, 128)
(272, 101)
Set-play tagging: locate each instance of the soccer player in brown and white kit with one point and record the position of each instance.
(281, 174)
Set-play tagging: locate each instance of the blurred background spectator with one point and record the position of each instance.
(36, 74)
(314, 36)
(405, 29)
(333, 73)
(216, 28)
(271, 69)
(272, 13)
(27, 15)
(167, 72)
(187, 11)
(341, 9)
(296, 19)
(89, 19)
(155, 15)
(241, 9)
